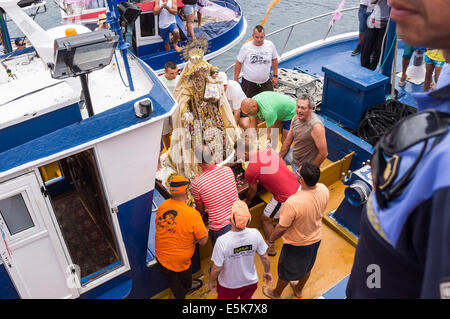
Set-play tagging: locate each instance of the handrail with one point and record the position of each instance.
(291, 26)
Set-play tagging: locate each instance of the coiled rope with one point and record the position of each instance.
(378, 119)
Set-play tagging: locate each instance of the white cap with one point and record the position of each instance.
(223, 78)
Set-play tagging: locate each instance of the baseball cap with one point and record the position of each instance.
(178, 184)
(240, 215)
(223, 78)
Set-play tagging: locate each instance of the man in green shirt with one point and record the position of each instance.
(275, 108)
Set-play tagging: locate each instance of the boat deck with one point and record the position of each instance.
(333, 263)
(312, 61)
(334, 259)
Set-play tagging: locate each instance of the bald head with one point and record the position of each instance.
(249, 106)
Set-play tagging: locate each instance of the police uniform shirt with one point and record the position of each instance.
(404, 250)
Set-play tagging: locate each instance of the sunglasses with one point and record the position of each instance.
(416, 128)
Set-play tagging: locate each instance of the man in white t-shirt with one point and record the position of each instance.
(234, 272)
(256, 58)
(235, 96)
(170, 79)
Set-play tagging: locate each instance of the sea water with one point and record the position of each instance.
(284, 13)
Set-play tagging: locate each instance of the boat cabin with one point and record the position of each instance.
(76, 189)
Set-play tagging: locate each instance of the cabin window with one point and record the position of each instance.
(83, 216)
(15, 214)
(147, 24)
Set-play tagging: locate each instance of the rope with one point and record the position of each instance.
(387, 55)
(378, 119)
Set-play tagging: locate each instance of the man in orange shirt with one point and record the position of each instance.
(300, 227)
(178, 226)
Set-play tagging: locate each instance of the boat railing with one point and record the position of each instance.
(293, 25)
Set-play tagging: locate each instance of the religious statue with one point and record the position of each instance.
(203, 115)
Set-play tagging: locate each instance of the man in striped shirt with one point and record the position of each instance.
(214, 193)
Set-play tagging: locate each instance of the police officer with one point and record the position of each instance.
(404, 245)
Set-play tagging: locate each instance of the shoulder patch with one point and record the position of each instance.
(390, 172)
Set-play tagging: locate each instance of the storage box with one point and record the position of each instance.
(349, 90)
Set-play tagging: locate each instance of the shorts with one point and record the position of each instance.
(287, 125)
(407, 52)
(165, 33)
(438, 64)
(251, 89)
(362, 17)
(296, 261)
(273, 208)
(179, 282)
(189, 9)
(245, 292)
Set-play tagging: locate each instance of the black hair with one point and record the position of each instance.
(310, 173)
(18, 41)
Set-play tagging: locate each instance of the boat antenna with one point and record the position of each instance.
(112, 17)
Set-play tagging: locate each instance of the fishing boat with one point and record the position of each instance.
(78, 117)
(223, 25)
(343, 92)
(84, 12)
(88, 161)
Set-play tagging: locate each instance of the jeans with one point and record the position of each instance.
(214, 234)
(288, 159)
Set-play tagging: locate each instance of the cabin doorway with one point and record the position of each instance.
(80, 207)
(29, 244)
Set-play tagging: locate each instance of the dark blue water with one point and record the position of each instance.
(284, 13)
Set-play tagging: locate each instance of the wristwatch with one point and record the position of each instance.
(275, 75)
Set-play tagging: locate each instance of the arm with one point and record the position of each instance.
(251, 192)
(203, 241)
(267, 276)
(215, 271)
(200, 207)
(174, 9)
(275, 71)
(157, 9)
(277, 233)
(287, 143)
(237, 116)
(318, 135)
(237, 70)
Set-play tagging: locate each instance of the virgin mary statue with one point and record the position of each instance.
(203, 115)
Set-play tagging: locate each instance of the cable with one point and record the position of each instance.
(387, 55)
(120, 73)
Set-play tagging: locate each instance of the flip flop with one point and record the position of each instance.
(293, 284)
(401, 83)
(265, 290)
(196, 284)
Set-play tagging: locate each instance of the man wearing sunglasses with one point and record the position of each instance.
(403, 249)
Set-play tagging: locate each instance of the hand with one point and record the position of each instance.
(212, 285)
(267, 277)
(274, 80)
